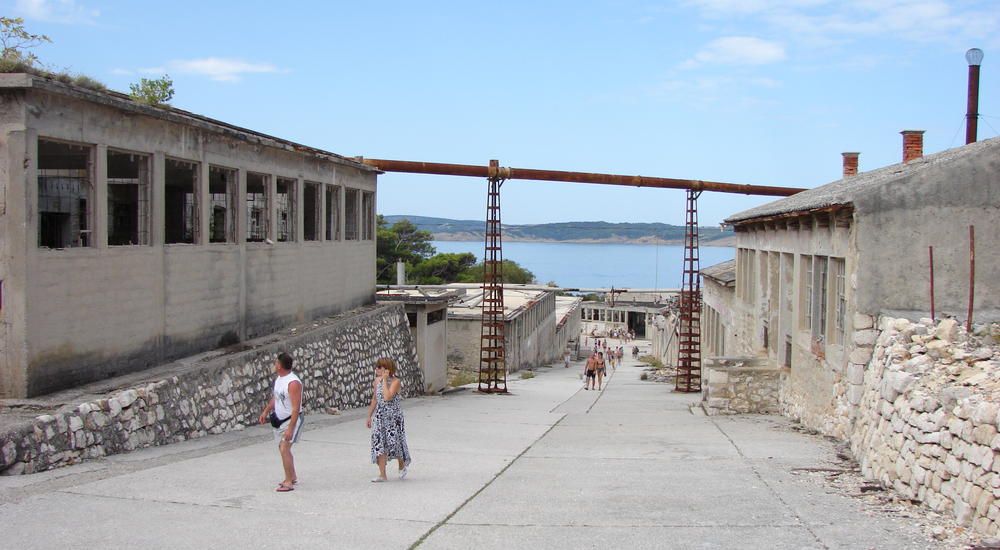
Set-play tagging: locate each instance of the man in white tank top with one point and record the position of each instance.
(286, 404)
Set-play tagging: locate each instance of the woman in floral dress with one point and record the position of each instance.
(385, 418)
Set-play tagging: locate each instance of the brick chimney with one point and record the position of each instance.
(913, 144)
(850, 164)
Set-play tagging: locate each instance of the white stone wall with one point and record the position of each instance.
(927, 419)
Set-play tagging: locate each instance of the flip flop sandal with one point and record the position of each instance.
(284, 489)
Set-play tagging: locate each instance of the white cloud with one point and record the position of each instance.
(737, 50)
(120, 71)
(151, 70)
(823, 22)
(221, 69)
(57, 11)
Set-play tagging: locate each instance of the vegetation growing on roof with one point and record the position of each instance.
(17, 57)
(153, 91)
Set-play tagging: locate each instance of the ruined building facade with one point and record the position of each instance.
(132, 235)
(815, 270)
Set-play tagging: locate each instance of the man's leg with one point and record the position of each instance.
(288, 462)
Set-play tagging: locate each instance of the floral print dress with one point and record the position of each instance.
(388, 431)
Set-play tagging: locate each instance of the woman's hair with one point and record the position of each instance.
(387, 364)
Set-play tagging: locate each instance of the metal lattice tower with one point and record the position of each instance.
(689, 353)
(493, 349)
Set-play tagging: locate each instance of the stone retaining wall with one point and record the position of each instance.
(927, 419)
(335, 362)
(740, 386)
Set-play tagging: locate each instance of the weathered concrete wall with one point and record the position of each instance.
(927, 424)
(740, 385)
(720, 298)
(815, 389)
(335, 361)
(82, 314)
(933, 207)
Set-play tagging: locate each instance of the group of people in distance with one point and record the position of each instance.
(385, 418)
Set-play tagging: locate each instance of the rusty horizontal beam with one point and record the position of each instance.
(572, 177)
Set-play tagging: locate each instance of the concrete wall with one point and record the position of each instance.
(933, 206)
(335, 361)
(81, 314)
(772, 291)
(720, 299)
(432, 345)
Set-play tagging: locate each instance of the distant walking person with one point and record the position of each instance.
(590, 370)
(385, 418)
(284, 411)
(601, 370)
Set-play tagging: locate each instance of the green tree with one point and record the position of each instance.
(512, 273)
(441, 268)
(15, 41)
(401, 241)
(156, 91)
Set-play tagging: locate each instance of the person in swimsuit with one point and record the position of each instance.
(385, 418)
(601, 369)
(590, 371)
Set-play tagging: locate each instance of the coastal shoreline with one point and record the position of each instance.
(472, 237)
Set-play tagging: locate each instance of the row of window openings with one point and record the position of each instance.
(817, 279)
(608, 315)
(65, 195)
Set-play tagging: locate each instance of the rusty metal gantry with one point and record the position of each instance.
(688, 378)
(492, 363)
(493, 341)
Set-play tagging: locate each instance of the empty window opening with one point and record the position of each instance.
(257, 207)
(805, 321)
(310, 212)
(221, 198)
(840, 322)
(819, 298)
(368, 216)
(180, 202)
(128, 199)
(285, 209)
(332, 213)
(65, 194)
(351, 214)
(436, 316)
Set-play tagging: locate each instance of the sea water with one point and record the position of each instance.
(586, 265)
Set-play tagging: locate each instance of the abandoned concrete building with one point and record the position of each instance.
(427, 315)
(131, 235)
(530, 325)
(813, 271)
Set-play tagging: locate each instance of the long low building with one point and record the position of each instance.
(131, 235)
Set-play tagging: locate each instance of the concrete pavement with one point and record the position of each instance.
(550, 466)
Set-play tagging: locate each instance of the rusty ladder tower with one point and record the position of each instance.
(688, 377)
(493, 346)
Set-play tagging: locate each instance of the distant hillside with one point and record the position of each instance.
(445, 229)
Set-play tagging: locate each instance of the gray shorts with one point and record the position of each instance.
(279, 433)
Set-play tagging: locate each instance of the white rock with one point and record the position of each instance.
(947, 330)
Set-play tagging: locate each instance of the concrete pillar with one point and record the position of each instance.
(204, 210)
(272, 207)
(300, 192)
(323, 190)
(99, 222)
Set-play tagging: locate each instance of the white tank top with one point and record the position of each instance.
(282, 401)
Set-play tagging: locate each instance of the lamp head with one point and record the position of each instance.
(974, 56)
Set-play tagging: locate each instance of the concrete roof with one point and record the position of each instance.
(844, 191)
(516, 300)
(417, 296)
(724, 272)
(565, 306)
(122, 101)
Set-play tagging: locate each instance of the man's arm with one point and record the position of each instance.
(267, 409)
(295, 394)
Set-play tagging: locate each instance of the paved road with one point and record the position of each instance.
(551, 466)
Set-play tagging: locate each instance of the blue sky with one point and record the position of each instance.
(765, 92)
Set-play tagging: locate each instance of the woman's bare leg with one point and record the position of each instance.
(381, 466)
